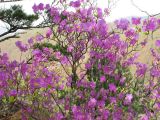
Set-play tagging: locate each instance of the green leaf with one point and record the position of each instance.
(11, 99)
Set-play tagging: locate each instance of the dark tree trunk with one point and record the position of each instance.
(9, 31)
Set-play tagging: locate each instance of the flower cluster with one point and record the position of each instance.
(80, 69)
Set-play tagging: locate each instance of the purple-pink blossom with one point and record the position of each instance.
(92, 102)
(21, 46)
(136, 20)
(128, 99)
(75, 4)
(102, 79)
(122, 24)
(112, 87)
(1, 93)
(157, 43)
(49, 33)
(150, 25)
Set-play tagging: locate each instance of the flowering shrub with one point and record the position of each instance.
(84, 74)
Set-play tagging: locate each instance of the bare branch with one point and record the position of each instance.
(144, 11)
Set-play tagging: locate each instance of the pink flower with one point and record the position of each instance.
(39, 37)
(1, 93)
(130, 33)
(150, 25)
(128, 99)
(92, 102)
(35, 8)
(157, 43)
(122, 24)
(47, 6)
(106, 10)
(49, 33)
(144, 117)
(99, 11)
(122, 80)
(13, 92)
(88, 65)
(108, 69)
(75, 4)
(30, 40)
(22, 47)
(112, 99)
(141, 69)
(92, 85)
(136, 21)
(112, 87)
(155, 72)
(41, 6)
(102, 79)
(105, 114)
(70, 48)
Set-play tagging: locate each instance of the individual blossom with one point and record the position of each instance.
(122, 80)
(23, 69)
(49, 33)
(133, 41)
(102, 79)
(144, 117)
(105, 114)
(157, 43)
(117, 113)
(35, 8)
(131, 60)
(157, 105)
(3, 77)
(121, 95)
(150, 25)
(41, 6)
(136, 20)
(70, 48)
(92, 84)
(21, 46)
(141, 69)
(112, 87)
(1, 93)
(59, 116)
(74, 109)
(47, 6)
(30, 41)
(13, 92)
(38, 83)
(88, 26)
(122, 24)
(130, 33)
(75, 4)
(99, 13)
(88, 65)
(39, 37)
(47, 51)
(108, 69)
(102, 27)
(106, 11)
(128, 99)
(112, 99)
(92, 102)
(36, 52)
(62, 1)
(101, 103)
(143, 43)
(155, 72)
(56, 19)
(155, 54)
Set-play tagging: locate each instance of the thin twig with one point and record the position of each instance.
(144, 11)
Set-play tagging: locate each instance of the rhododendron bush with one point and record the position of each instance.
(80, 69)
